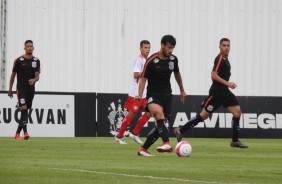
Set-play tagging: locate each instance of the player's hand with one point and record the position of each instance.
(10, 93)
(183, 96)
(31, 82)
(137, 98)
(232, 85)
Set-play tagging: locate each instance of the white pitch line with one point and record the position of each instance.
(135, 176)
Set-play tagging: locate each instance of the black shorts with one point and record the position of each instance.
(164, 100)
(25, 97)
(213, 102)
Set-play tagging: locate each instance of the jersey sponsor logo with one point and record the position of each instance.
(171, 58)
(21, 59)
(116, 116)
(156, 60)
(135, 107)
(158, 67)
(171, 65)
(33, 64)
(22, 101)
(210, 108)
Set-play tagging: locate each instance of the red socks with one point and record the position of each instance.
(124, 126)
(141, 122)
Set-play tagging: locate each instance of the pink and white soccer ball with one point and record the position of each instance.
(183, 149)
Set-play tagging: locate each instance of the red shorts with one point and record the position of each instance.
(135, 106)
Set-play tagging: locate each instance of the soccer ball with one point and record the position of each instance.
(183, 149)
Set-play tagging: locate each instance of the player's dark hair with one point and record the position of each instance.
(28, 41)
(144, 42)
(168, 39)
(223, 40)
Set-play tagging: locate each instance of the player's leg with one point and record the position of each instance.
(210, 104)
(190, 124)
(157, 111)
(140, 123)
(233, 107)
(24, 111)
(151, 139)
(130, 105)
(236, 112)
(22, 100)
(126, 121)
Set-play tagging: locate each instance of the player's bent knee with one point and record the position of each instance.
(236, 114)
(204, 114)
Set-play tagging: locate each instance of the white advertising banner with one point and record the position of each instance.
(50, 116)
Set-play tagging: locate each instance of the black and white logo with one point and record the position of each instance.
(210, 108)
(115, 117)
(171, 58)
(156, 60)
(22, 101)
(33, 64)
(171, 65)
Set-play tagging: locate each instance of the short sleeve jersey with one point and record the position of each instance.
(25, 69)
(158, 73)
(223, 68)
(138, 66)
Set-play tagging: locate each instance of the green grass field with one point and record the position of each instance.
(102, 160)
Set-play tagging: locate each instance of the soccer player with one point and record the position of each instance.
(219, 95)
(134, 106)
(27, 69)
(157, 71)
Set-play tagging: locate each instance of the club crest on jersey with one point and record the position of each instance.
(35, 59)
(171, 58)
(21, 59)
(156, 60)
(22, 101)
(33, 64)
(150, 99)
(210, 108)
(171, 65)
(115, 117)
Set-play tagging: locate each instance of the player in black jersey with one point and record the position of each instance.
(27, 69)
(157, 71)
(219, 95)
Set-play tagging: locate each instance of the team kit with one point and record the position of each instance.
(150, 91)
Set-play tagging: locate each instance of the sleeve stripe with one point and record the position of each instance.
(145, 67)
(218, 64)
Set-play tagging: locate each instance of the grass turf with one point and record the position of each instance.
(102, 160)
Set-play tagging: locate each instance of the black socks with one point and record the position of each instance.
(163, 130)
(236, 129)
(23, 121)
(191, 123)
